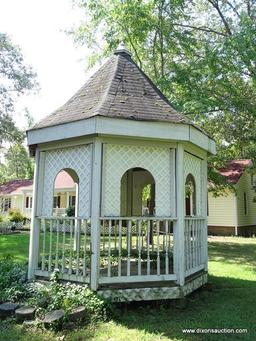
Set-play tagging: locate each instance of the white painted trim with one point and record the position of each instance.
(179, 238)
(137, 279)
(122, 128)
(194, 270)
(67, 277)
(34, 230)
(95, 213)
(235, 215)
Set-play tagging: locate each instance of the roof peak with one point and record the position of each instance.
(122, 49)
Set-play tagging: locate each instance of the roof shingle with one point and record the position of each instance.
(119, 89)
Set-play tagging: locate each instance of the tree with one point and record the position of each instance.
(18, 164)
(16, 78)
(201, 54)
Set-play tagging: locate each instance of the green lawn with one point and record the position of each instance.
(229, 302)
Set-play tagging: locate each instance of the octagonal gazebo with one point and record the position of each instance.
(140, 226)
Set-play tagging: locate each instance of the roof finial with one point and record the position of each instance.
(122, 49)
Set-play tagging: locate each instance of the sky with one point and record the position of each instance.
(38, 28)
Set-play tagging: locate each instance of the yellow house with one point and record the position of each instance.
(234, 213)
(17, 195)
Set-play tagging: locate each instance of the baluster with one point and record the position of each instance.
(85, 247)
(70, 248)
(109, 248)
(63, 246)
(185, 244)
(142, 235)
(197, 244)
(57, 244)
(115, 226)
(166, 248)
(44, 238)
(120, 248)
(193, 242)
(148, 248)
(78, 232)
(189, 244)
(200, 242)
(129, 248)
(157, 248)
(50, 249)
(103, 232)
(139, 246)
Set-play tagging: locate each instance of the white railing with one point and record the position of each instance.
(194, 244)
(136, 249)
(132, 249)
(65, 248)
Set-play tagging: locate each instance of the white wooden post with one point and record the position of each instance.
(204, 214)
(95, 213)
(36, 205)
(76, 221)
(179, 239)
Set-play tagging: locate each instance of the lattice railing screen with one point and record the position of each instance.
(76, 158)
(157, 160)
(193, 165)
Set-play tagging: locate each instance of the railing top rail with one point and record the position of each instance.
(62, 218)
(194, 218)
(139, 218)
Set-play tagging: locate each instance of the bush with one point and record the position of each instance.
(69, 296)
(13, 285)
(15, 216)
(70, 211)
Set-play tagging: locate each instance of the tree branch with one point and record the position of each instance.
(226, 25)
(201, 28)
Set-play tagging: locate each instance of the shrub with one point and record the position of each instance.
(15, 216)
(13, 285)
(70, 211)
(69, 296)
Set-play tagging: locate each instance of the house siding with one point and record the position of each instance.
(221, 210)
(244, 186)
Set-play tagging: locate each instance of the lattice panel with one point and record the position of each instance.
(76, 158)
(119, 158)
(193, 165)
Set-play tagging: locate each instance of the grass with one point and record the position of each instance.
(228, 302)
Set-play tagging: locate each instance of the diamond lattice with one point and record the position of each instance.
(76, 158)
(119, 158)
(193, 165)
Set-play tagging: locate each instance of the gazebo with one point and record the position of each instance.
(139, 231)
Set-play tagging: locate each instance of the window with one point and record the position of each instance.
(72, 200)
(28, 202)
(6, 204)
(190, 196)
(56, 201)
(245, 204)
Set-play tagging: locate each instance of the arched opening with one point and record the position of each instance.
(190, 196)
(65, 194)
(137, 193)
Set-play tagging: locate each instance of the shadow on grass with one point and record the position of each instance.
(209, 307)
(233, 253)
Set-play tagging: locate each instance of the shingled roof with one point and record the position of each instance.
(119, 89)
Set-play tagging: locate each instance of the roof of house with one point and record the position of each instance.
(13, 186)
(119, 89)
(63, 180)
(234, 170)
